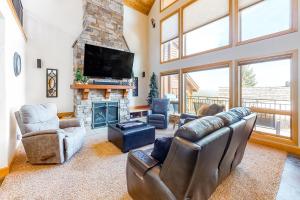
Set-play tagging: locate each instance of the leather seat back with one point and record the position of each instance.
(191, 166)
(249, 126)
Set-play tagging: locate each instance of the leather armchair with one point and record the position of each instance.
(158, 115)
(46, 139)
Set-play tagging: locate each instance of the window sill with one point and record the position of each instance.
(278, 143)
(265, 37)
(207, 51)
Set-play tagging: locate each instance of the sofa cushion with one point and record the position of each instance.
(241, 111)
(228, 117)
(39, 117)
(161, 148)
(74, 138)
(199, 128)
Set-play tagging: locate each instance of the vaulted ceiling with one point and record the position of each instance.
(143, 6)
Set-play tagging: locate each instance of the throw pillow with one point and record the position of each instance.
(161, 148)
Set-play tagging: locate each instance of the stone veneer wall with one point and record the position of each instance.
(102, 26)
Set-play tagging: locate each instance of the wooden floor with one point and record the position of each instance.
(290, 182)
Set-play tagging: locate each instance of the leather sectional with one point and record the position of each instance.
(202, 154)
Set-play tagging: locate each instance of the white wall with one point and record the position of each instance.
(262, 48)
(136, 35)
(12, 88)
(51, 26)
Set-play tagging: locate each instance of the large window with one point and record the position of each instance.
(260, 18)
(166, 3)
(207, 90)
(206, 25)
(169, 88)
(268, 88)
(170, 38)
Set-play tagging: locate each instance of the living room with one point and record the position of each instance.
(122, 99)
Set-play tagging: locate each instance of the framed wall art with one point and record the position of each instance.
(52, 83)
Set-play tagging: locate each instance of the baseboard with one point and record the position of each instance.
(5, 170)
(292, 149)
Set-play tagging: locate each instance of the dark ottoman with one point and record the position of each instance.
(131, 137)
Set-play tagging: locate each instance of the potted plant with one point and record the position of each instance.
(80, 78)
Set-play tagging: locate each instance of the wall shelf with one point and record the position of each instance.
(85, 89)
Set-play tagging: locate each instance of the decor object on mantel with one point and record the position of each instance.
(17, 64)
(153, 89)
(135, 91)
(85, 88)
(80, 78)
(52, 78)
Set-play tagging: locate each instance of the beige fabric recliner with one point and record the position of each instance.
(46, 139)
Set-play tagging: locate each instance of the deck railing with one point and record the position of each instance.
(273, 115)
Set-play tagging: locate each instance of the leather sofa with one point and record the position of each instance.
(202, 154)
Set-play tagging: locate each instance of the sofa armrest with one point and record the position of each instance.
(44, 147)
(45, 132)
(186, 116)
(67, 123)
(141, 162)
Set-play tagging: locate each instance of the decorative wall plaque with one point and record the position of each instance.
(52, 81)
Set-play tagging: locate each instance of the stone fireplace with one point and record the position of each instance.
(102, 26)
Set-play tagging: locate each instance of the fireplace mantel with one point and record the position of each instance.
(85, 89)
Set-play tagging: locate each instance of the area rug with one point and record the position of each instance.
(98, 172)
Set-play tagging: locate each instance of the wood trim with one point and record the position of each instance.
(4, 172)
(207, 51)
(290, 148)
(217, 65)
(163, 9)
(85, 89)
(160, 35)
(169, 72)
(231, 37)
(140, 107)
(64, 115)
(293, 55)
(270, 111)
(292, 29)
(12, 8)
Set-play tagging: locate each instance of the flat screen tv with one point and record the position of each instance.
(104, 62)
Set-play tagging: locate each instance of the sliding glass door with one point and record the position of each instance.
(207, 90)
(266, 88)
(169, 88)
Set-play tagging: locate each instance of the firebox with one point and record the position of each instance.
(104, 113)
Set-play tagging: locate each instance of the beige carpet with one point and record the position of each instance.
(98, 172)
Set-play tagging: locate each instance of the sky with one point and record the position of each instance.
(259, 22)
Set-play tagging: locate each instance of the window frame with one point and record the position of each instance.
(268, 138)
(230, 15)
(218, 65)
(163, 9)
(237, 31)
(179, 37)
(172, 72)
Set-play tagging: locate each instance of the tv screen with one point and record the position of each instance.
(107, 63)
